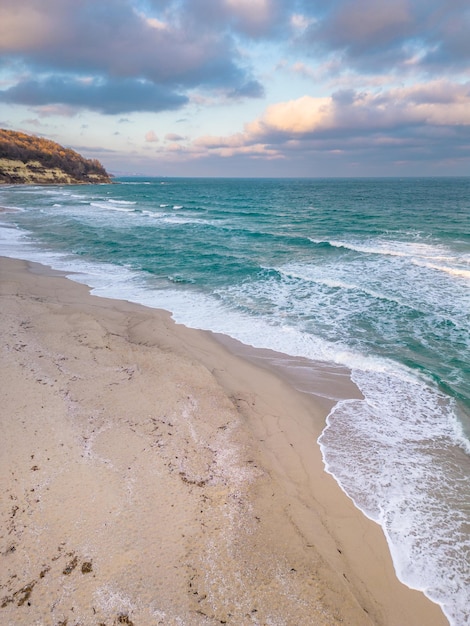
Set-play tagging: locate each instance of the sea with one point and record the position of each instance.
(369, 274)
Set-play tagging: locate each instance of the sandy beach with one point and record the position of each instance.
(150, 475)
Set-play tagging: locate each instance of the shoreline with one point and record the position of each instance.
(138, 419)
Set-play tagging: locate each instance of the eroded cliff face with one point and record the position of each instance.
(26, 159)
(34, 173)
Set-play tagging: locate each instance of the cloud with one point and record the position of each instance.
(32, 122)
(247, 18)
(185, 46)
(53, 110)
(151, 137)
(371, 35)
(449, 43)
(294, 117)
(367, 24)
(409, 118)
(106, 96)
(254, 17)
(112, 38)
(251, 89)
(86, 150)
(174, 137)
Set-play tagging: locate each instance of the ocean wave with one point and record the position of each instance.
(133, 183)
(107, 206)
(403, 249)
(12, 208)
(452, 271)
(399, 439)
(317, 277)
(358, 284)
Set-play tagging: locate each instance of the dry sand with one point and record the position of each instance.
(151, 476)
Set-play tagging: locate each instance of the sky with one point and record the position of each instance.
(287, 88)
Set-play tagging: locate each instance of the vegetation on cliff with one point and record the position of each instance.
(35, 160)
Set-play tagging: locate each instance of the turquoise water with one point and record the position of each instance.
(373, 274)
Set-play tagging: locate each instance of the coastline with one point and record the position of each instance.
(154, 476)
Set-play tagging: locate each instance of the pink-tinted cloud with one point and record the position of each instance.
(370, 35)
(349, 118)
(174, 137)
(151, 136)
(114, 41)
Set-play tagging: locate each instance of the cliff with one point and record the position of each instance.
(27, 159)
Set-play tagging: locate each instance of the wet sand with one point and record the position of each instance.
(152, 474)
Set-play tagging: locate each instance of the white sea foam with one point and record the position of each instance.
(319, 276)
(108, 206)
(382, 246)
(401, 466)
(426, 254)
(402, 281)
(169, 218)
(430, 256)
(131, 183)
(452, 271)
(9, 207)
